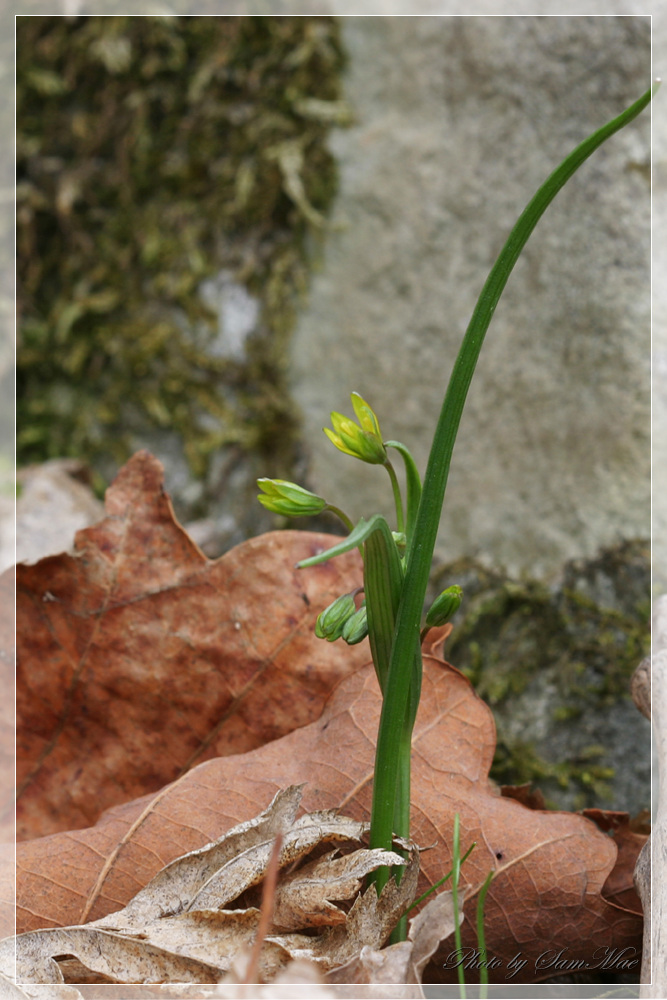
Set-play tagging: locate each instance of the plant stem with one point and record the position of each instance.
(342, 515)
(401, 821)
(398, 500)
(413, 484)
(422, 544)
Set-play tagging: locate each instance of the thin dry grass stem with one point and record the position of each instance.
(266, 911)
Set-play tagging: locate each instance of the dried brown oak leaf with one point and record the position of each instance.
(550, 866)
(619, 887)
(7, 720)
(629, 835)
(138, 657)
(189, 923)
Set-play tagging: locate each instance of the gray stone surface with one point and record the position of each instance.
(458, 120)
(659, 415)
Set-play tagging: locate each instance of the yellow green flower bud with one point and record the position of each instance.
(355, 628)
(444, 607)
(331, 621)
(286, 498)
(362, 440)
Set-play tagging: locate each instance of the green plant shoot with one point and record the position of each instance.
(397, 563)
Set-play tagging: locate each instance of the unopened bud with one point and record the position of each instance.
(331, 621)
(356, 627)
(286, 498)
(362, 440)
(444, 607)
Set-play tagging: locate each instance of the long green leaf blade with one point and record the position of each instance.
(428, 516)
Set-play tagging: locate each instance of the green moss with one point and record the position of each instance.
(152, 152)
(566, 652)
(582, 777)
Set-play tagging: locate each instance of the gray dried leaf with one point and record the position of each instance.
(300, 972)
(176, 886)
(248, 867)
(303, 898)
(370, 966)
(9, 990)
(430, 926)
(120, 957)
(176, 930)
(402, 964)
(369, 922)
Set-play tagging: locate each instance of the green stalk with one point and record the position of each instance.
(383, 578)
(413, 483)
(341, 515)
(398, 500)
(401, 828)
(403, 794)
(420, 554)
(456, 875)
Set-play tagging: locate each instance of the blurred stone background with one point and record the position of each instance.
(418, 140)
(451, 134)
(458, 120)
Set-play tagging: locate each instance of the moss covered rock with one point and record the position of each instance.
(554, 663)
(170, 171)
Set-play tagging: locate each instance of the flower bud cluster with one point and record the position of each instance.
(362, 440)
(343, 620)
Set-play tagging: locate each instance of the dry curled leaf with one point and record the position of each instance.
(299, 972)
(528, 796)
(403, 963)
(133, 668)
(550, 867)
(305, 897)
(10, 990)
(138, 657)
(187, 924)
(640, 687)
(7, 720)
(619, 887)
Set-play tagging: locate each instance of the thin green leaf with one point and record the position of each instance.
(456, 875)
(420, 552)
(441, 881)
(356, 538)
